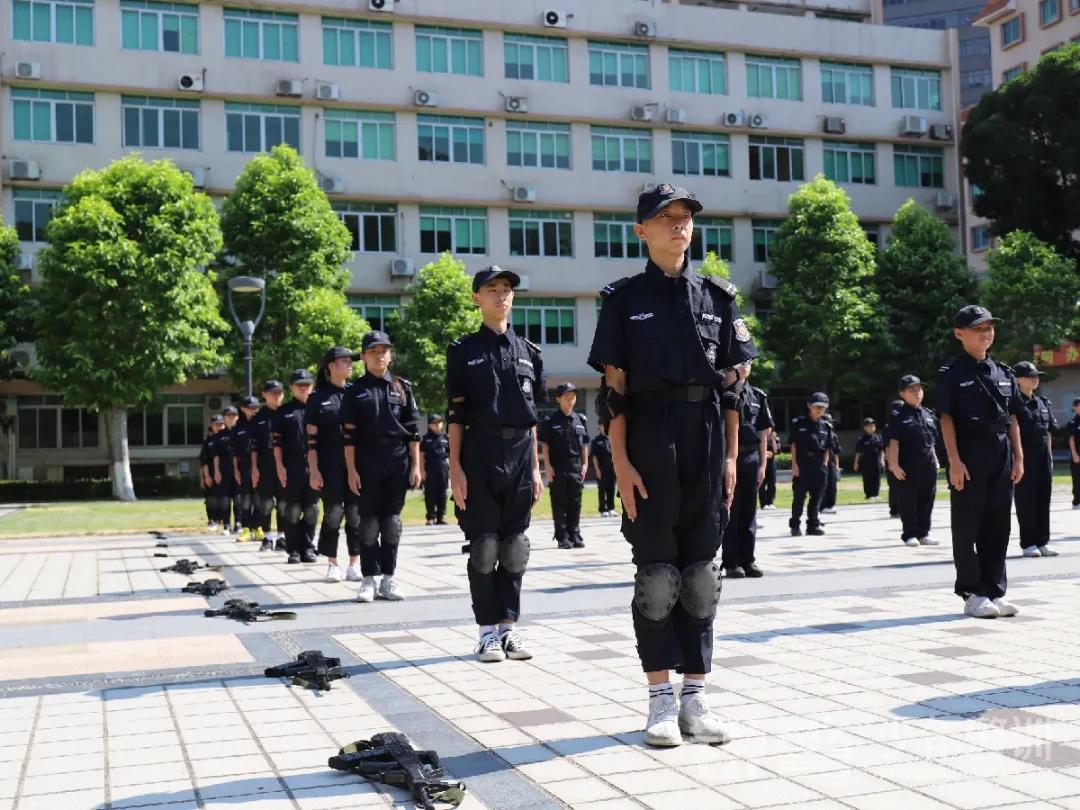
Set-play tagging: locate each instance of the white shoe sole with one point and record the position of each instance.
(364, 598)
(397, 597)
(710, 739)
(972, 614)
(522, 655)
(662, 742)
(1047, 552)
(491, 658)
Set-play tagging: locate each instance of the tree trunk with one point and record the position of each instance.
(119, 459)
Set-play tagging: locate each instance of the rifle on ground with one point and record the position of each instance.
(208, 587)
(390, 758)
(311, 669)
(248, 612)
(189, 567)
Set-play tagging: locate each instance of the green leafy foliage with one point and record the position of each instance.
(16, 325)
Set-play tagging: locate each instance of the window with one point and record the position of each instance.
(1074, 8)
(1012, 31)
(980, 46)
(541, 58)
(701, 153)
(873, 235)
(52, 116)
(458, 230)
(70, 22)
(919, 166)
(271, 35)
(614, 237)
(541, 233)
(536, 144)
(776, 158)
(547, 321)
(697, 72)
(851, 162)
(360, 134)
(1049, 12)
(615, 149)
(612, 64)
(357, 43)
(1011, 73)
(847, 84)
(33, 210)
(445, 139)
(916, 89)
(712, 235)
(160, 123)
(765, 234)
(45, 424)
(449, 50)
(373, 226)
(773, 77)
(176, 422)
(974, 78)
(261, 127)
(377, 310)
(149, 26)
(980, 237)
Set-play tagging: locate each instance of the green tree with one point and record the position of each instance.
(1021, 148)
(921, 282)
(439, 310)
(825, 319)
(126, 307)
(1037, 293)
(278, 225)
(15, 301)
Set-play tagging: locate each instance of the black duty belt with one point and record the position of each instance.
(677, 393)
(496, 432)
(385, 441)
(982, 429)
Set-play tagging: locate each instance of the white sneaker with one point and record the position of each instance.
(697, 721)
(490, 650)
(928, 541)
(211, 526)
(911, 541)
(1033, 551)
(1046, 551)
(388, 590)
(226, 531)
(367, 590)
(513, 644)
(769, 507)
(829, 511)
(980, 607)
(352, 574)
(1005, 608)
(662, 727)
(1076, 506)
(333, 573)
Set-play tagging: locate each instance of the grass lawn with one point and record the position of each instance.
(105, 517)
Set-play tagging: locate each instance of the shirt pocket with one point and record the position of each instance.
(709, 331)
(526, 377)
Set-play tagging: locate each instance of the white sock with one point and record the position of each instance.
(692, 686)
(657, 689)
(505, 628)
(485, 629)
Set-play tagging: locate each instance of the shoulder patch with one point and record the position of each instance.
(944, 369)
(723, 284)
(615, 286)
(403, 381)
(1005, 368)
(532, 345)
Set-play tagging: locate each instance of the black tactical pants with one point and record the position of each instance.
(1032, 496)
(871, 480)
(915, 496)
(767, 493)
(301, 508)
(809, 489)
(740, 535)
(981, 517)
(435, 483)
(605, 488)
(566, 489)
(373, 517)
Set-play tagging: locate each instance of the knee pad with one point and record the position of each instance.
(514, 554)
(656, 590)
(333, 516)
(701, 586)
(369, 531)
(311, 516)
(483, 552)
(280, 509)
(292, 513)
(352, 516)
(390, 529)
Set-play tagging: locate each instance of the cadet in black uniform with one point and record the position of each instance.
(243, 434)
(912, 436)
(767, 490)
(326, 457)
(206, 474)
(435, 453)
(604, 470)
(1032, 493)
(894, 492)
(832, 472)
(979, 403)
(290, 457)
(673, 350)
(564, 443)
(810, 440)
(227, 486)
(264, 468)
(868, 459)
(740, 536)
(494, 380)
(382, 456)
(1073, 432)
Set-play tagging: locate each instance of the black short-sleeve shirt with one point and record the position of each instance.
(500, 378)
(381, 407)
(566, 437)
(980, 395)
(323, 410)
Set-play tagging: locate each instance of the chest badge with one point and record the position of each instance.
(642, 316)
(710, 353)
(742, 333)
(476, 361)
(708, 317)
(526, 386)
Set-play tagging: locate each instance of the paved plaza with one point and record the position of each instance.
(848, 676)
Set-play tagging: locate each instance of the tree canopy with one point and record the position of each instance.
(15, 301)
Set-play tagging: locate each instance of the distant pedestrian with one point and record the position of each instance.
(912, 436)
(869, 459)
(1032, 492)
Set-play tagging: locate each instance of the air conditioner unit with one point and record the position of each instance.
(943, 201)
(293, 88)
(215, 404)
(190, 82)
(914, 125)
(643, 28)
(325, 91)
(23, 355)
(402, 268)
(676, 115)
(835, 125)
(197, 174)
(516, 104)
(766, 280)
(26, 261)
(523, 284)
(554, 18)
(734, 119)
(524, 194)
(643, 112)
(759, 121)
(332, 185)
(941, 132)
(425, 98)
(24, 170)
(380, 5)
(27, 70)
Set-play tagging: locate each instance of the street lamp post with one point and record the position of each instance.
(244, 285)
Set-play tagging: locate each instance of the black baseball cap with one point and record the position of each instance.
(301, 375)
(249, 402)
(907, 381)
(434, 417)
(973, 315)
(489, 274)
(231, 411)
(375, 338)
(1076, 402)
(565, 388)
(818, 398)
(216, 419)
(1025, 368)
(652, 202)
(272, 385)
(869, 420)
(336, 353)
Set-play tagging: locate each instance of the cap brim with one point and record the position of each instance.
(691, 203)
(980, 321)
(509, 275)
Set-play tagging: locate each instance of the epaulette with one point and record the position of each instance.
(1006, 368)
(532, 345)
(944, 369)
(615, 286)
(723, 284)
(403, 381)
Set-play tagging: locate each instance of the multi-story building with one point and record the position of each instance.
(512, 133)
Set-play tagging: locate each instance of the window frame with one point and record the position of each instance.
(618, 51)
(375, 308)
(558, 307)
(710, 60)
(558, 47)
(1058, 16)
(1006, 27)
(263, 112)
(794, 149)
(74, 5)
(382, 42)
(159, 10)
(58, 411)
(381, 212)
(849, 71)
(538, 132)
(35, 200)
(769, 230)
(629, 245)
(562, 223)
(53, 99)
(898, 81)
(620, 135)
(919, 154)
(162, 106)
(261, 20)
(362, 120)
(774, 64)
(851, 150)
(452, 124)
(475, 218)
(467, 36)
(980, 238)
(717, 228)
(700, 143)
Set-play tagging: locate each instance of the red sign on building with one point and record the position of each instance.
(1067, 354)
